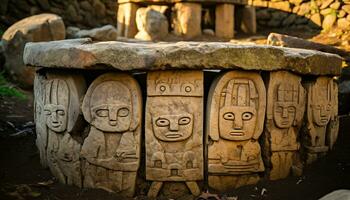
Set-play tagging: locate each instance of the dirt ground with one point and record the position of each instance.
(22, 177)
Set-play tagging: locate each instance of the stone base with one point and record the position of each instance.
(226, 183)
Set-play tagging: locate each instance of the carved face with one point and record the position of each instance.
(56, 117)
(237, 122)
(172, 128)
(56, 105)
(321, 113)
(111, 108)
(284, 114)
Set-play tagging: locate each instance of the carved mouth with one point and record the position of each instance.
(113, 123)
(285, 122)
(237, 133)
(173, 135)
(55, 124)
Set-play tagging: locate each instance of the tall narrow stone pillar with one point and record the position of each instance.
(126, 19)
(224, 20)
(187, 20)
(248, 24)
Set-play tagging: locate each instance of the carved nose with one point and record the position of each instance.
(238, 124)
(54, 117)
(174, 126)
(284, 113)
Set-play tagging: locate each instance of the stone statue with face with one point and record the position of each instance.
(174, 150)
(236, 110)
(285, 110)
(62, 95)
(322, 121)
(112, 106)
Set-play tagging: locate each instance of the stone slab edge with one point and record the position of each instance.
(84, 54)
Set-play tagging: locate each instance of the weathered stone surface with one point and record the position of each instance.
(43, 27)
(187, 20)
(174, 134)
(321, 128)
(284, 113)
(57, 118)
(152, 24)
(224, 20)
(104, 33)
(236, 111)
(83, 54)
(112, 105)
(337, 195)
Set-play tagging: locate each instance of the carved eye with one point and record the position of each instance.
(187, 88)
(279, 109)
(229, 116)
(162, 122)
(291, 109)
(47, 112)
(123, 112)
(184, 120)
(247, 116)
(328, 107)
(163, 87)
(102, 113)
(60, 112)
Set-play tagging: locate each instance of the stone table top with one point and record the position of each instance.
(85, 54)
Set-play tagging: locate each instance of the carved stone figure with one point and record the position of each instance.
(236, 112)
(321, 129)
(61, 111)
(112, 106)
(174, 135)
(39, 117)
(285, 111)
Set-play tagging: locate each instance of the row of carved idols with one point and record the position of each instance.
(91, 137)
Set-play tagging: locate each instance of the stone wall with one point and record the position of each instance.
(81, 13)
(317, 13)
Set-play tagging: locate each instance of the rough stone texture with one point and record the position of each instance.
(321, 128)
(83, 54)
(152, 24)
(44, 27)
(57, 118)
(127, 20)
(104, 33)
(81, 13)
(112, 106)
(337, 195)
(286, 100)
(224, 20)
(174, 134)
(236, 111)
(187, 20)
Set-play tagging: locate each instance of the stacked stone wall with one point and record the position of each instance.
(81, 13)
(317, 13)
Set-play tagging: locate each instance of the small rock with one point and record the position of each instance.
(343, 23)
(99, 8)
(346, 8)
(152, 25)
(208, 31)
(326, 3)
(337, 195)
(329, 21)
(71, 31)
(104, 33)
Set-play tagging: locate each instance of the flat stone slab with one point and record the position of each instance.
(84, 54)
